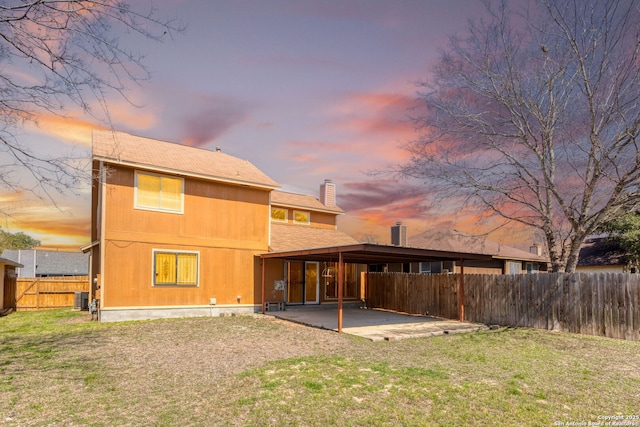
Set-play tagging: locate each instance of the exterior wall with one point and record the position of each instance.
(481, 267)
(5, 284)
(274, 271)
(317, 219)
(26, 257)
(600, 269)
(227, 225)
(8, 287)
(396, 268)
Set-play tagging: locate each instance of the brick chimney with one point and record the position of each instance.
(328, 193)
(399, 234)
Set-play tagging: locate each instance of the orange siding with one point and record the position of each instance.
(323, 220)
(274, 271)
(318, 219)
(227, 225)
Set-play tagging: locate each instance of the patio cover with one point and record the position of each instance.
(368, 253)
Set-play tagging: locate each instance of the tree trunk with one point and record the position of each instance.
(557, 263)
(574, 252)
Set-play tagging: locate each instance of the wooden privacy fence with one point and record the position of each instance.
(41, 293)
(604, 304)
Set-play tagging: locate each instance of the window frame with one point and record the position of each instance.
(286, 214)
(512, 265)
(136, 204)
(154, 253)
(532, 267)
(308, 215)
(439, 270)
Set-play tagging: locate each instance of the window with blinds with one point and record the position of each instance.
(159, 192)
(175, 268)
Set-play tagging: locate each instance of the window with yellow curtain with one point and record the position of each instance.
(175, 268)
(158, 192)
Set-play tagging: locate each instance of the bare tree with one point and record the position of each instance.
(59, 53)
(534, 114)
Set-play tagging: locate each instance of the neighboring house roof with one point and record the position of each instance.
(161, 156)
(7, 261)
(49, 263)
(301, 201)
(457, 241)
(287, 237)
(601, 251)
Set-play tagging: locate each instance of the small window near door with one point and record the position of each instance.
(301, 217)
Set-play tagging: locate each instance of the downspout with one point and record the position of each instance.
(340, 288)
(103, 209)
(461, 291)
(264, 261)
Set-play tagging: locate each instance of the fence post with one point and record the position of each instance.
(461, 292)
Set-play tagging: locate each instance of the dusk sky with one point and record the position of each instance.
(305, 90)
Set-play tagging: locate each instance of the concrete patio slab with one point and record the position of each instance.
(373, 324)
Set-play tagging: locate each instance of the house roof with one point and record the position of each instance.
(370, 253)
(301, 201)
(10, 262)
(320, 244)
(457, 241)
(600, 251)
(51, 263)
(161, 156)
(287, 237)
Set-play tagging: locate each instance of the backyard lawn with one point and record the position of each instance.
(57, 368)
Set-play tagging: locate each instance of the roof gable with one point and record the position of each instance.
(122, 148)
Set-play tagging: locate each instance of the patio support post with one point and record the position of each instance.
(461, 291)
(340, 288)
(264, 261)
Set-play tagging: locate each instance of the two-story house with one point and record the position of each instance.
(177, 231)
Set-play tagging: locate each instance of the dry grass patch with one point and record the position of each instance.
(58, 368)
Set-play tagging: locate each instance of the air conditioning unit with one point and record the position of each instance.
(81, 301)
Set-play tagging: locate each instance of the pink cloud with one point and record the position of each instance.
(377, 114)
(70, 129)
(264, 125)
(213, 118)
(382, 195)
(56, 227)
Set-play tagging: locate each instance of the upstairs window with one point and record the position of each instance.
(175, 268)
(279, 214)
(159, 193)
(301, 217)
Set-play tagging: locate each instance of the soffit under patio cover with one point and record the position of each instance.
(367, 253)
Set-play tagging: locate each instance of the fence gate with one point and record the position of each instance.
(41, 293)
